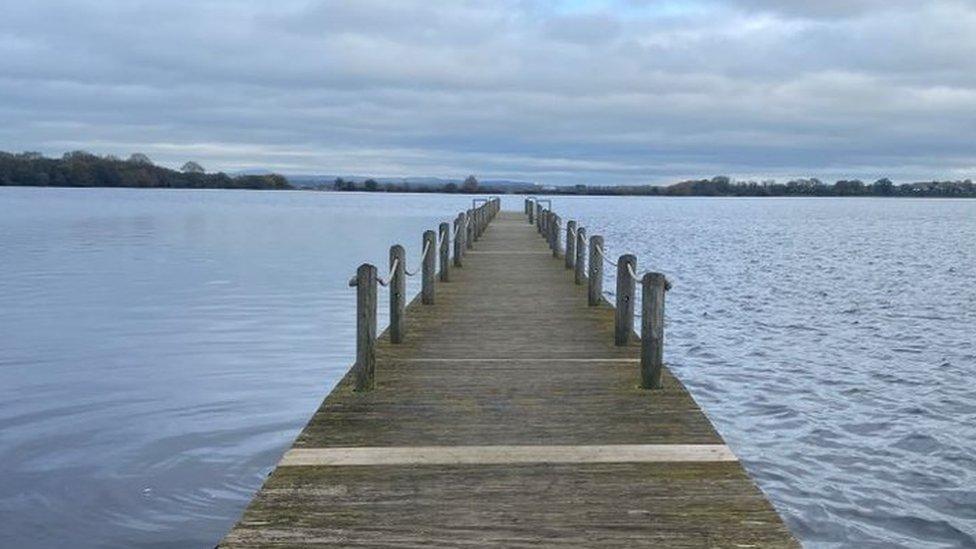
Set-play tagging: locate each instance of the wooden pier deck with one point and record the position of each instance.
(508, 418)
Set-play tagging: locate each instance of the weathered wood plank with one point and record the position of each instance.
(510, 355)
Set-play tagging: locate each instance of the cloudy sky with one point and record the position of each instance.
(574, 91)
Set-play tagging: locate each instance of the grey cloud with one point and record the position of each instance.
(509, 89)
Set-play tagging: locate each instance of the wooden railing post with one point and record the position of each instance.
(596, 271)
(580, 274)
(538, 217)
(469, 231)
(570, 244)
(547, 228)
(478, 220)
(428, 267)
(459, 241)
(531, 213)
(365, 327)
(653, 288)
(624, 311)
(554, 235)
(398, 293)
(445, 255)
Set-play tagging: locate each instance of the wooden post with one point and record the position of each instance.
(531, 213)
(458, 240)
(624, 313)
(398, 293)
(538, 217)
(554, 235)
(445, 259)
(477, 223)
(428, 267)
(570, 244)
(596, 271)
(469, 231)
(365, 327)
(580, 274)
(653, 288)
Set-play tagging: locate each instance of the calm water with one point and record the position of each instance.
(159, 349)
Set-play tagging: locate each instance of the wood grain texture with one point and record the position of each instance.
(509, 355)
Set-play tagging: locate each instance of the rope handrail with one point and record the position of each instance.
(630, 270)
(389, 277)
(422, 257)
(599, 250)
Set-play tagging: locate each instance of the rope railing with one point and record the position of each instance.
(389, 277)
(472, 222)
(588, 262)
(421, 265)
(599, 250)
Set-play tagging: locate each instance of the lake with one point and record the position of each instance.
(160, 349)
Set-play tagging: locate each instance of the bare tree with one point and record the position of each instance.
(192, 167)
(139, 158)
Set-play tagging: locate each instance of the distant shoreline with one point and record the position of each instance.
(80, 169)
(484, 192)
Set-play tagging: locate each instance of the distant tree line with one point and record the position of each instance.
(716, 186)
(83, 169)
(470, 186)
(725, 186)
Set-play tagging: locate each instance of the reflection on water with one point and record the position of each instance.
(160, 349)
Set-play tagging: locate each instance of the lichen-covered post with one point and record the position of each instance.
(624, 311)
(459, 240)
(398, 292)
(596, 271)
(445, 255)
(570, 244)
(365, 327)
(653, 288)
(428, 267)
(580, 275)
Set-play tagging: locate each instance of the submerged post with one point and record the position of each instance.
(624, 311)
(428, 267)
(458, 240)
(653, 288)
(365, 327)
(445, 255)
(398, 293)
(570, 244)
(596, 271)
(580, 274)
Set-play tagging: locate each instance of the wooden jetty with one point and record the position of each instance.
(510, 405)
